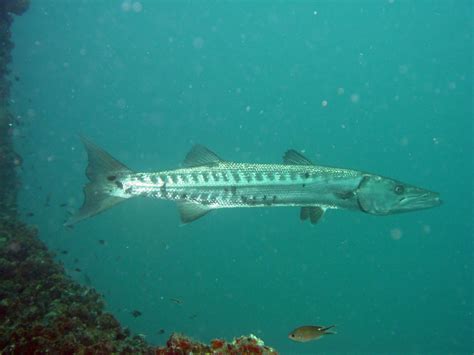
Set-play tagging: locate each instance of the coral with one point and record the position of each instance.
(42, 309)
(16, 7)
(181, 344)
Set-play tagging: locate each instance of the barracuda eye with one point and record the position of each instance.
(399, 189)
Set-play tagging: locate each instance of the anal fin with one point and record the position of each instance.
(314, 214)
(190, 211)
(304, 213)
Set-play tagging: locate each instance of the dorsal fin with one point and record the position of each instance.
(292, 157)
(200, 155)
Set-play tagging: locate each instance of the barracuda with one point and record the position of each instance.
(207, 182)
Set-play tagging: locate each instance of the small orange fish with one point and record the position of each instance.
(309, 332)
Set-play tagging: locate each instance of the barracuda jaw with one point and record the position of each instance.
(419, 199)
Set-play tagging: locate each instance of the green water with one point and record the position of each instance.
(379, 86)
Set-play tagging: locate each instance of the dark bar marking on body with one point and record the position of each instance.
(163, 189)
(236, 177)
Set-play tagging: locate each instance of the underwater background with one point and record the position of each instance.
(379, 86)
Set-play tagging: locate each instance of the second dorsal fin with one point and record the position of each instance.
(200, 155)
(294, 158)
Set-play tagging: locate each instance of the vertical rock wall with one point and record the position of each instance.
(9, 160)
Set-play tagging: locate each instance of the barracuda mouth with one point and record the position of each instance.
(417, 201)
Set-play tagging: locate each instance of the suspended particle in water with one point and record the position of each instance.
(126, 6)
(31, 113)
(404, 141)
(396, 233)
(324, 103)
(198, 43)
(426, 229)
(340, 91)
(355, 98)
(137, 6)
(403, 69)
(121, 103)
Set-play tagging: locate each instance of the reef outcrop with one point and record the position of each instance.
(44, 310)
(181, 344)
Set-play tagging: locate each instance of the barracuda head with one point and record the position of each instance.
(381, 196)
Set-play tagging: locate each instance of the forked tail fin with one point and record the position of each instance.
(102, 172)
(326, 330)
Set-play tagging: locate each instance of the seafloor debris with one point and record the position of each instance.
(181, 344)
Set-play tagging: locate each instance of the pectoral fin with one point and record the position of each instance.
(313, 213)
(190, 211)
